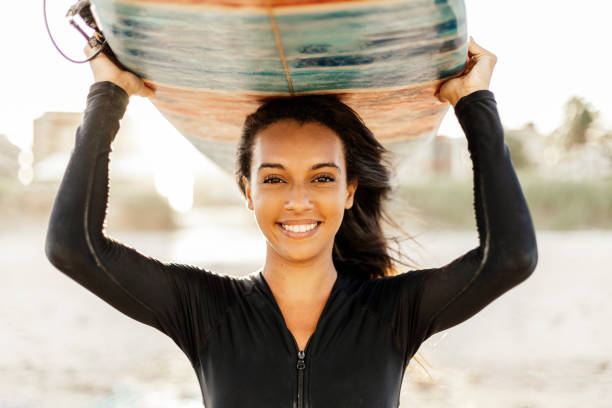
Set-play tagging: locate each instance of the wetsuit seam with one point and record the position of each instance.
(90, 245)
(481, 252)
(481, 264)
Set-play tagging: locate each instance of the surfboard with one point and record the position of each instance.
(211, 61)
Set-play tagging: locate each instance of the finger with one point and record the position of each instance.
(476, 49)
(146, 92)
(148, 89)
(470, 63)
(101, 62)
(467, 67)
(88, 50)
(476, 52)
(88, 53)
(475, 46)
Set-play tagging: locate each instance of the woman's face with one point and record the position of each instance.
(298, 188)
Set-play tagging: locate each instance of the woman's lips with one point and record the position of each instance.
(299, 230)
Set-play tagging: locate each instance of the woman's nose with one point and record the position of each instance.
(299, 199)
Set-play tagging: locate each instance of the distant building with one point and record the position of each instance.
(134, 202)
(592, 159)
(441, 156)
(54, 138)
(54, 132)
(528, 147)
(548, 157)
(9, 158)
(451, 157)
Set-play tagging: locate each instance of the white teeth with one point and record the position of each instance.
(299, 228)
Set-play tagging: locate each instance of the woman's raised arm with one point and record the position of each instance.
(174, 298)
(432, 300)
(507, 251)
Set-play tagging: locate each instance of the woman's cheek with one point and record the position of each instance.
(334, 207)
(267, 205)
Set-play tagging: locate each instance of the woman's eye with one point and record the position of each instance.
(325, 179)
(272, 180)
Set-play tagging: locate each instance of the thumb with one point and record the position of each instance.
(88, 50)
(474, 47)
(146, 91)
(477, 52)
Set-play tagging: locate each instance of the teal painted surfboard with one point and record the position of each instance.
(212, 60)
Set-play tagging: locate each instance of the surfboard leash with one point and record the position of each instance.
(97, 40)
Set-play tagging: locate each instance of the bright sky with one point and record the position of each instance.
(547, 52)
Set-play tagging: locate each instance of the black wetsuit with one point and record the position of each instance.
(231, 328)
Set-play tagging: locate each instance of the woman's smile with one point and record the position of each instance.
(299, 229)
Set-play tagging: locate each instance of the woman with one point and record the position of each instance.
(324, 323)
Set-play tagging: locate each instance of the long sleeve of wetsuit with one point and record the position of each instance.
(173, 298)
(436, 299)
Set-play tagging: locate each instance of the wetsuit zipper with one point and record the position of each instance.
(301, 354)
(301, 365)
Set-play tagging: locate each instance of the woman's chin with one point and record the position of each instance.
(298, 252)
(298, 256)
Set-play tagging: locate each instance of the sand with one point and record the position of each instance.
(545, 343)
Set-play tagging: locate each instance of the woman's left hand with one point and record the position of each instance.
(475, 76)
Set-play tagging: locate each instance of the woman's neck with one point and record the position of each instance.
(299, 281)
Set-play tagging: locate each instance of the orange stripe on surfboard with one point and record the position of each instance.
(249, 3)
(279, 44)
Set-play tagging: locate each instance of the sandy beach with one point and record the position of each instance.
(545, 343)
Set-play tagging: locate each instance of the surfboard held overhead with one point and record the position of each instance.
(212, 61)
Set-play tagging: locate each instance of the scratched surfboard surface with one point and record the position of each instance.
(212, 60)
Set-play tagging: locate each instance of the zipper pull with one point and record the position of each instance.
(301, 364)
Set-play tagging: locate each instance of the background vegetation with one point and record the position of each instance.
(555, 204)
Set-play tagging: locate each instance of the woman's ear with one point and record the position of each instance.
(247, 193)
(351, 187)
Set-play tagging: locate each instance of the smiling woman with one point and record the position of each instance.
(311, 159)
(324, 323)
(298, 189)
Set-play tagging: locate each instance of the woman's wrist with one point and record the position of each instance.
(469, 99)
(455, 98)
(112, 86)
(115, 82)
(108, 96)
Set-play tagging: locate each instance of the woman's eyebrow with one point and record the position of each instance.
(314, 167)
(271, 165)
(320, 165)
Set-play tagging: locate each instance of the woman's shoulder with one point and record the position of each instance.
(390, 298)
(215, 283)
(399, 278)
(386, 289)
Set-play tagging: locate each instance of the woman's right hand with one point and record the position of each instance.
(475, 76)
(105, 70)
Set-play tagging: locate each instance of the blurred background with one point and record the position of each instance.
(545, 343)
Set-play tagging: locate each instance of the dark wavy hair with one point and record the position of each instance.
(360, 246)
